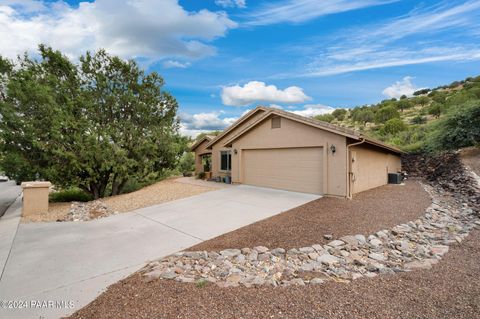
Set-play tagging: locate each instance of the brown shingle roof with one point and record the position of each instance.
(314, 122)
(200, 141)
(236, 123)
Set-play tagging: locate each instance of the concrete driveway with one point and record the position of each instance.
(74, 262)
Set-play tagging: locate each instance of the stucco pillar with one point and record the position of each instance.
(35, 197)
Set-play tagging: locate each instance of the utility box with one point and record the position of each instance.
(395, 178)
(35, 197)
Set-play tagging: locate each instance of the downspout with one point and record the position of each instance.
(349, 173)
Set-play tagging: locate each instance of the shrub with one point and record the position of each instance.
(475, 92)
(187, 163)
(440, 97)
(70, 195)
(201, 175)
(393, 126)
(459, 128)
(363, 115)
(422, 100)
(132, 185)
(201, 283)
(421, 92)
(436, 109)
(339, 114)
(419, 120)
(386, 113)
(404, 104)
(325, 118)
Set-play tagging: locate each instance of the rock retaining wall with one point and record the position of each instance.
(414, 245)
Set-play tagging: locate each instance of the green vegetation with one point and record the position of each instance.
(187, 163)
(325, 118)
(447, 117)
(202, 135)
(70, 195)
(96, 125)
(339, 114)
(460, 128)
(201, 283)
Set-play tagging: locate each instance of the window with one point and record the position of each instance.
(276, 122)
(225, 160)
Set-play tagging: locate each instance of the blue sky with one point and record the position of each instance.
(221, 58)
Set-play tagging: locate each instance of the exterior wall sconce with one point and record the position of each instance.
(333, 149)
(235, 151)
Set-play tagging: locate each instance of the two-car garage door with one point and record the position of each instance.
(294, 169)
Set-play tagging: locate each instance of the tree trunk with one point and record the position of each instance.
(122, 185)
(115, 185)
(94, 190)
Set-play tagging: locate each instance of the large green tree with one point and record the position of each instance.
(95, 124)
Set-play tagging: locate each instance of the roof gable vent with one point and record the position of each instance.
(276, 122)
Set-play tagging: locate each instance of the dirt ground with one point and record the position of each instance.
(161, 192)
(451, 289)
(471, 157)
(367, 212)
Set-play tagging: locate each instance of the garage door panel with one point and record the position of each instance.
(295, 169)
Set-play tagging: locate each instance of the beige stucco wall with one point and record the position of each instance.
(371, 167)
(35, 197)
(218, 146)
(199, 151)
(295, 134)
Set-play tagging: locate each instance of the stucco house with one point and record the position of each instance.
(269, 147)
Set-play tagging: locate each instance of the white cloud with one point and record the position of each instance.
(297, 11)
(209, 121)
(255, 91)
(399, 88)
(425, 35)
(26, 6)
(169, 64)
(194, 124)
(436, 18)
(276, 106)
(385, 58)
(149, 29)
(310, 110)
(189, 132)
(231, 3)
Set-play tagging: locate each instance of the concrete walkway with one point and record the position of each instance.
(10, 213)
(63, 262)
(9, 191)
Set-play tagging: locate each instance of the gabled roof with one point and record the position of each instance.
(200, 141)
(236, 123)
(315, 123)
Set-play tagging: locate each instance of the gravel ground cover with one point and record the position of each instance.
(366, 213)
(451, 289)
(161, 192)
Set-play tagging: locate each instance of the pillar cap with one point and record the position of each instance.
(36, 184)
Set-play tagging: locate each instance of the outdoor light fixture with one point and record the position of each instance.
(235, 151)
(333, 149)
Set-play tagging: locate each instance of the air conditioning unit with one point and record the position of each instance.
(395, 178)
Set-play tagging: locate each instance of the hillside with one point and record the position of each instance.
(446, 117)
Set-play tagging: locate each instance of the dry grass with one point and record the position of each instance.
(161, 192)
